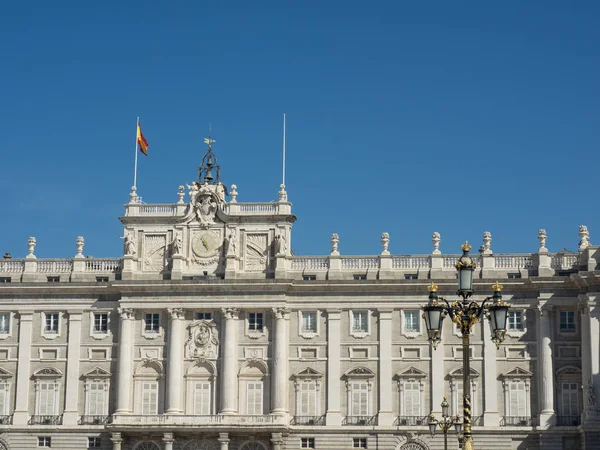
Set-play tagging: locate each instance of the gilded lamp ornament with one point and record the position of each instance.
(465, 313)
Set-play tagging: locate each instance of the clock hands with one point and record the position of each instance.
(205, 243)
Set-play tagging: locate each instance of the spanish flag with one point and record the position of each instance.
(141, 140)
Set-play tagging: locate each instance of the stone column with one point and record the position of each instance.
(277, 441)
(490, 382)
(175, 361)
(438, 385)
(71, 413)
(223, 441)
(279, 384)
(590, 354)
(117, 440)
(547, 417)
(385, 417)
(229, 387)
(334, 415)
(125, 362)
(168, 440)
(21, 413)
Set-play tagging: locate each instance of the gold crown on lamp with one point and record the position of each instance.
(433, 287)
(466, 247)
(497, 287)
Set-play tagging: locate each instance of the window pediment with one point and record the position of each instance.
(97, 372)
(359, 372)
(307, 373)
(411, 372)
(569, 372)
(456, 373)
(5, 374)
(517, 372)
(48, 372)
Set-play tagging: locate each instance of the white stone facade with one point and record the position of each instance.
(209, 334)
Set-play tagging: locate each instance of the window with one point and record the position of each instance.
(152, 325)
(254, 398)
(359, 398)
(410, 276)
(514, 275)
(44, 441)
(308, 399)
(458, 397)
(309, 322)
(202, 398)
(412, 399)
(309, 277)
(53, 279)
(101, 323)
(515, 320)
(51, 323)
(4, 323)
(567, 321)
(411, 321)
(96, 399)
(360, 321)
(5, 279)
(101, 280)
(359, 443)
(569, 399)
(46, 398)
(517, 399)
(307, 443)
(94, 442)
(149, 398)
(4, 398)
(203, 316)
(255, 321)
(360, 277)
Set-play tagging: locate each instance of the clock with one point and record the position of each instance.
(206, 244)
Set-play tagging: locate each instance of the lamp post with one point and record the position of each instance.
(465, 313)
(445, 424)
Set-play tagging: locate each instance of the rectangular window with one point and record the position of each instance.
(94, 442)
(410, 276)
(96, 399)
(254, 398)
(309, 322)
(411, 321)
(51, 325)
(309, 277)
(359, 443)
(46, 396)
(517, 397)
(202, 398)
(5, 279)
(570, 399)
(100, 323)
(44, 441)
(149, 398)
(308, 398)
(101, 280)
(412, 399)
(515, 320)
(359, 322)
(307, 443)
(255, 321)
(53, 279)
(152, 322)
(203, 316)
(4, 323)
(567, 321)
(360, 398)
(360, 277)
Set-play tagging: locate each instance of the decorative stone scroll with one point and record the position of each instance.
(203, 340)
(230, 313)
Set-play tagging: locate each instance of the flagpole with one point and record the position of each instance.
(136, 154)
(283, 177)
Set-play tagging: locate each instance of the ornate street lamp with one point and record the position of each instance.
(445, 424)
(465, 313)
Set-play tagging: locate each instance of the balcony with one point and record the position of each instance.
(568, 421)
(410, 421)
(45, 420)
(219, 421)
(94, 420)
(360, 421)
(308, 420)
(516, 421)
(5, 420)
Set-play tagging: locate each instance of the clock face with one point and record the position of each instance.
(206, 243)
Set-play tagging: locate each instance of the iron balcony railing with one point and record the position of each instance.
(45, 420)
(568, 421)
(360, 420)
(516, 421)
(412, 421)
(94, 420)
(308, 420)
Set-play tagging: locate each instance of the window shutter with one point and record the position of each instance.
(3, 400)
(513, 400)
(412, 399)
(308, 403)
(46, 399)
(255, 395)
(202, 399)
(149, 398)
(93, 400)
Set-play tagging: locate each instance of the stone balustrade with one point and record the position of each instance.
(176, 420)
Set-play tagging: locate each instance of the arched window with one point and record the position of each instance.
(148, 387)
(148, 445)
(253, 387)
(201, 389)
(253, 446)
(308, 400)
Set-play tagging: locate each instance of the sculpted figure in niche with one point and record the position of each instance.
(280, 245)
(232, 242)
(129, 243)
(177, 245)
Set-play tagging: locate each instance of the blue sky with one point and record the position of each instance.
(406, 117)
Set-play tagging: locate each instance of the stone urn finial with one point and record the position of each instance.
(435, 239)
(282, 193)
(79, 243)
(335, 240)
(487, 241)
(584, 238)
(31, 243)
(542, 238)
(233, 194)
(180, 194)
(385, 242)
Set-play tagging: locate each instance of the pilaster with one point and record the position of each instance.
(175, 361)
(21, 413)
(229, 387)
(71, 413)
(590, 354)
(385, 416)
(490, 375)
(547, 416)
(125, 362)
(333, 416)
(279, 387)
(177, 269)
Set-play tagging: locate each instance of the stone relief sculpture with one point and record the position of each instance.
(154, 252)
(435, 239)
(202, 340)
(584, 238)
(129, 243)
(590, 394)
(256, 252)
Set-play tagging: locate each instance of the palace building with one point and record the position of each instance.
(208, 333)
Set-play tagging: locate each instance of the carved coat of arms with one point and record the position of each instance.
(202, 341)
(205, 200)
